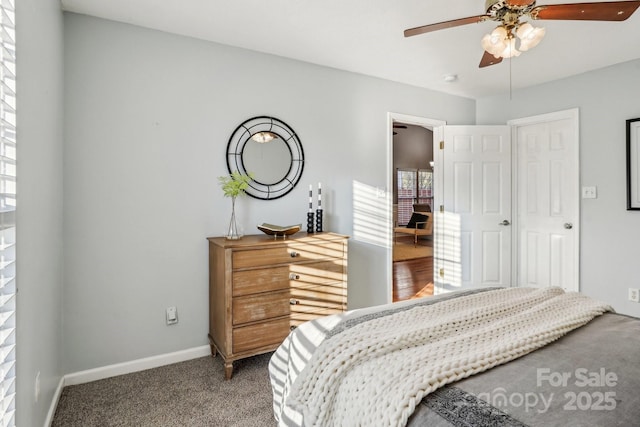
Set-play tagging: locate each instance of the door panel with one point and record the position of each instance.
(492, 273)
(472, 249)
(547, 204)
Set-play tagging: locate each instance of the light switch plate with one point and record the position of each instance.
(172, 315)
(589, 193)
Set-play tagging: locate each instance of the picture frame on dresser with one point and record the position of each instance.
(260, 289)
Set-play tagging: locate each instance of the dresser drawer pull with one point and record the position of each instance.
(294, 301)
(294, 254)
(294, 276)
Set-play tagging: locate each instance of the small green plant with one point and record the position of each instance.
(233, 185)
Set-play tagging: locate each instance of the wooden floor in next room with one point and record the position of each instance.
(412, 268)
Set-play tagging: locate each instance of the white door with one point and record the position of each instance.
(472, 246)
(548, 200)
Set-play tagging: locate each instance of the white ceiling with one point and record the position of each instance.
(366, 36)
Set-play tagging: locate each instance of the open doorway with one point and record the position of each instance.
(412, 194)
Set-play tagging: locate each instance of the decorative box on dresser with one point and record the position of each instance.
(261, 288)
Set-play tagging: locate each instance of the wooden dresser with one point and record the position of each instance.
(261, 288)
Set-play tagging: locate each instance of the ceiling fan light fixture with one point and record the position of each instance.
(263, 137)
(524, 31)
(510, 51)
(501, 43)
(495, 42)
(529, 36)
(500, 33)
(487, 43)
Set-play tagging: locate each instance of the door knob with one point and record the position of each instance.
(568, 225)
(505, 222)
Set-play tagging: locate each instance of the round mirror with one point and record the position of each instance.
(269, 162)
(270, 151)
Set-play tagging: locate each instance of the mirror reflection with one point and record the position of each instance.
(269, 162)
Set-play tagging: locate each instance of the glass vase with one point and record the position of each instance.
(232, 232)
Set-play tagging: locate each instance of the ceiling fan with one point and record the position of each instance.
(501, 42)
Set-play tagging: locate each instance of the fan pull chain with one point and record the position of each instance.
(510, 81)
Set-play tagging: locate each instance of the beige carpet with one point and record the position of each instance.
(190, 394)
(403, 251)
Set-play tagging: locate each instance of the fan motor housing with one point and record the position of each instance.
(507, 13)
(494, 6)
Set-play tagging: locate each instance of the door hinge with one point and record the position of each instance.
(442, 272)
(442, 145)
(441, 208)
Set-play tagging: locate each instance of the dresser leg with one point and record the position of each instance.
(214, 350)
(228, 370)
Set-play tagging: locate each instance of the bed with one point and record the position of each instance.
(486, 357)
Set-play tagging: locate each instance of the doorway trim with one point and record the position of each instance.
(392, 118)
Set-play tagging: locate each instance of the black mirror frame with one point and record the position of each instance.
(235, 163)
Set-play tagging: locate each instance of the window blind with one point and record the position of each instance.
(7, 213)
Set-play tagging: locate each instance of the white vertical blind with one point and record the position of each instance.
(7, 214)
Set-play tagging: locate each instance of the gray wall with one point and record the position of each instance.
(610, 234)
(39, 216)
(147, 119)
(412, 149)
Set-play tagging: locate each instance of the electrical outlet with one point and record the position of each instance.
(634, 294)
(172, 315)
(36, 387)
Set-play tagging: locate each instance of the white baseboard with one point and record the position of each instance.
(135, 365)
(54, 403)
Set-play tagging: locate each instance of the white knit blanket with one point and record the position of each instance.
(376, 372)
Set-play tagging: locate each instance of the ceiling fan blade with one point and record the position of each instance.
(442, 25)
(603, 11)
(488, 59)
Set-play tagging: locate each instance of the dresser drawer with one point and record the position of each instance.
(268, 334)
(318, 299)
(258, 335)
(248, 282)
(291, 253)
(253, 308)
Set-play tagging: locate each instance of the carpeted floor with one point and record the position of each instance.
(186, 394)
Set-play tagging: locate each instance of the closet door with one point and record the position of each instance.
(548, 201)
